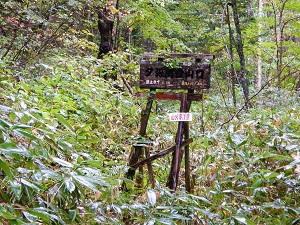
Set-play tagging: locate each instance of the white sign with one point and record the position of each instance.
(180, 117)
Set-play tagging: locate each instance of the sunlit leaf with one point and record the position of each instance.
(151, 197)
(62, 162)
(29, 184)
(16, 188)
(69, 184)
(243, 220)
(85, 181)
(31, 218)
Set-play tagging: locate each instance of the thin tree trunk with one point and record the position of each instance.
(280, 44)
(239, 47)
(232, 74)
(259, 61)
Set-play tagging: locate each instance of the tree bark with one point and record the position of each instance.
(259, 60)
(105, 26)
(230, 50)
(239, 46)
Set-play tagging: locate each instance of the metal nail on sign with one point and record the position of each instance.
(177, 117)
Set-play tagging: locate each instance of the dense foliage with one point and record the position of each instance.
(68, 121)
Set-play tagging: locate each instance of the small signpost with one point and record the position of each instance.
(177, 117)
(156, 74)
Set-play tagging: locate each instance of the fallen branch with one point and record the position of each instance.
(126, 83)
(160, 154)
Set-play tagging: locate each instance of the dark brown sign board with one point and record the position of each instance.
(184, 75)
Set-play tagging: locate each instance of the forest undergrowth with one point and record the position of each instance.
(66, 134)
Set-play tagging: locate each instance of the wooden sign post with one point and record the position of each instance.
(156, 74)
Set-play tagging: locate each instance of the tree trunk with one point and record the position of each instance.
(230, 50)
(239, 46)
(280, 40)
(105, 26)
(259, 61)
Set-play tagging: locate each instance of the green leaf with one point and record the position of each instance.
(88, 182)
(26, 134)
(72, 215)
(29, 184)
(6, 168)
(90, 141)
(41, 214)
(64, 122)
(202, 199)
(16, 188)
(243, 220)
(62, 162)
(31, 218)
(69, 184)
(5, 214)
(151, 197)
(5, 125)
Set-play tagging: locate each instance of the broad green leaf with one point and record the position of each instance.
(8, 145)
(5, 196)
(17, 151)
(173, 215)
(5, 125)
(64, 122)
(151, 197)
(72, 215)
(85, 181)
(16, 188)
(201, 199)
(62, 162)
(50, 174)
(31, 218)
(46, 215)
(5, 214)
(26, 134)
(6, 168)
(5, 109)
(22, 126)
(29, 184)
(69, 184)
(270, 175)
(243, 220)
(41, 214)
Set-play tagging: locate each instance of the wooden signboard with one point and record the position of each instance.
(155, 74)
(186, 75)
(183, 76)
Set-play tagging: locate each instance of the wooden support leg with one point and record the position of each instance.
(137, 151)
(187, 159)
(188, 185)
(150, 170)
(175, 167)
